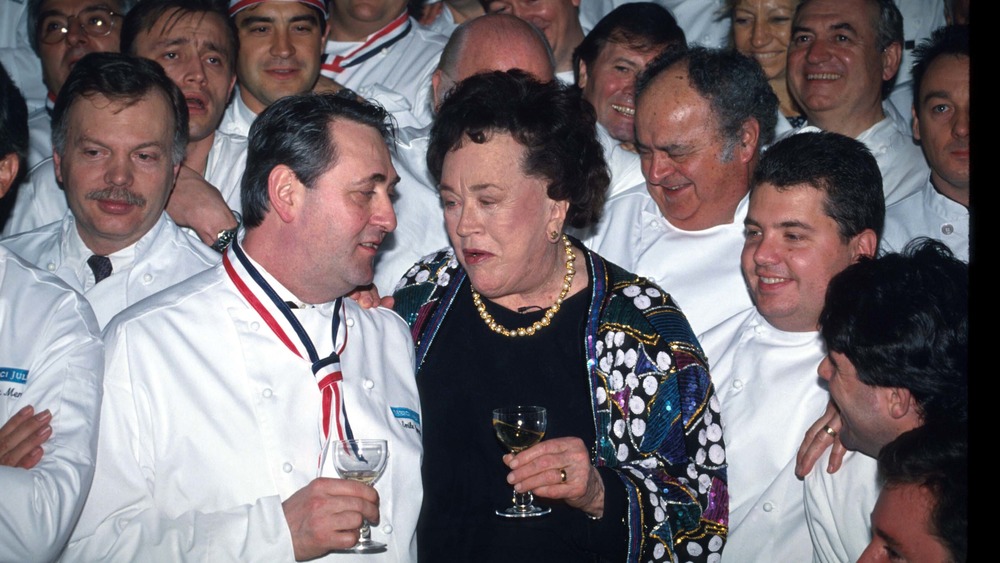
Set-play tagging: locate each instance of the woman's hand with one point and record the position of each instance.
(820, 436)
(559, 469)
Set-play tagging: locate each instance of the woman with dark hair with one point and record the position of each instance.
(517, 313)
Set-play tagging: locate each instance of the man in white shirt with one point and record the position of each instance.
(195, 43)
(51, 362)
(281, 49)
(701, 117)
(236, 385)
(941, 118)
(607, 63)
(207, 181)
(815, 208)
(376, 49)
(842, 59)
(470, 50)
(120, 131)
(896, 332)
(61, 32)
(559, 20)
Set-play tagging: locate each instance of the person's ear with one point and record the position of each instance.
(9, 166)
(285, 193)
(891, 57)
(864, 244)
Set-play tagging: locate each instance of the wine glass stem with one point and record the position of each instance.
(366, 534)
(523, 500)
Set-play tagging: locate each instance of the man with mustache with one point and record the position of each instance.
(941, 125)
(239, 382)
(119, 136)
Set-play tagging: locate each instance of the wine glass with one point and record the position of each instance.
(519, 428)
(363, 461)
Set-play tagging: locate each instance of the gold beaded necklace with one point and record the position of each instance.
(549, 313)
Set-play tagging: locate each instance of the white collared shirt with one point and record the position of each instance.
(927, 213)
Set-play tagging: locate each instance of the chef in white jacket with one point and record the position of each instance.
(50, 383)
(224, 392)
(121, 132)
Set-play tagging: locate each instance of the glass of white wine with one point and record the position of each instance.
(364, 461)
(519, 428)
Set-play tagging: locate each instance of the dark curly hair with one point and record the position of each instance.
(553, 123)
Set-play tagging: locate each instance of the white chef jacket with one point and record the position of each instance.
(238, 117)
(839, 507)
(420, 226)
(210, 422)
(162, 257)
(39, 135)
(623, 164)
(927, 213)
(51, 358)
(901, 162)
(770, 392)
(21, 62)
(700, 269)
(41, 200)
(698, 18)
(405, 68)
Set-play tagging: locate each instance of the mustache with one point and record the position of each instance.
(118, 194)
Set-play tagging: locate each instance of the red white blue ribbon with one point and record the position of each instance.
(381, 39)
(277, 315)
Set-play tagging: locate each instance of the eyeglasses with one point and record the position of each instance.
(95, 22)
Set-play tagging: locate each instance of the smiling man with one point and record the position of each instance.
(280, 369)
(119, 132)
(607, 63)
(842, 60)
(896, 332)
(815, 208)
(281, 49)
(701, 117)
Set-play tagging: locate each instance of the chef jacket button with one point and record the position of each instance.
(947, 229)
(758, 329)
(287, 467)
(369, 384)
(147, 278)
(737, 384)
(349, 322)
(255, 326)
(387, 529)
(768, 507)
(51, 266)
(267, 393)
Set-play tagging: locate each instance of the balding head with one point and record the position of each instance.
(474, 47)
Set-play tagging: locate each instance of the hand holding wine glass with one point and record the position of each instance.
(519, 428)
(362, 461)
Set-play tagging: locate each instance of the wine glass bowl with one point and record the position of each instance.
(518, 428)
(362, 461)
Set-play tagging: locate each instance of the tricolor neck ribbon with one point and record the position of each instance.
(279, 318)
(381, 39)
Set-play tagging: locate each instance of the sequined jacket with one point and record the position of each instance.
(656, 415)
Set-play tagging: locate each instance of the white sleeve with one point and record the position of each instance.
(124, 521)
(838, 507)
(39, 506)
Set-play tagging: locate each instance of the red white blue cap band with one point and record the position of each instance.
(238, 5)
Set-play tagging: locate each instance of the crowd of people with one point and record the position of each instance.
(723, 243)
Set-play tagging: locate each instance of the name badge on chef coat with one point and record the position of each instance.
(12, 382)
(407, 418)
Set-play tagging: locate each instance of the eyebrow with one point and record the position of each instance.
(936, 94)
(148, 144)
(844, 26)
